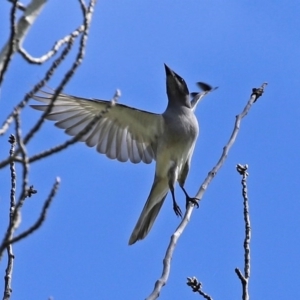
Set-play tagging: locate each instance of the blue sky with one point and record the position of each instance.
(81, 251)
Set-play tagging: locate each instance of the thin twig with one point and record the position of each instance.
(10, 260)
(37, 87)
(22, 26)
(70, 73)
(25, 162)
(38, 125)
(197, 287)
(53, 51)
(39, 221)
(83, 7)
(69, 40)
(256, 93)
(12, 141)
(245, 278)
(12, 42)
(27, 97)
(8, 273)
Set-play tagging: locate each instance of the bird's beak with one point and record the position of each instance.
(169, 72)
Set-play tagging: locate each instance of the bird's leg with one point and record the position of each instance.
(189, 199)
(172, 176)
(176, 207)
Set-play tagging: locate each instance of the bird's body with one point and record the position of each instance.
(177, 141)
(127, 133)
(175, 147)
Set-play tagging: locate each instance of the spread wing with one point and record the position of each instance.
(197, 97)
(122, 133)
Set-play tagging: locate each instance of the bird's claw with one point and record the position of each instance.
(194, 201)
(177, 210)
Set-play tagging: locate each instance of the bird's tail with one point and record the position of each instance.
(150, 211)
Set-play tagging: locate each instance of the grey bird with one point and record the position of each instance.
(126, 133)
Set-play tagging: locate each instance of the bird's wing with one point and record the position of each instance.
(197, 97)
(122, 133)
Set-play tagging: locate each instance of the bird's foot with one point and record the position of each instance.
(176, 207)
(177, 210)
(189, 199)
(194, 201)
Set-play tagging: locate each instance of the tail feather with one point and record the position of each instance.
(150, 211)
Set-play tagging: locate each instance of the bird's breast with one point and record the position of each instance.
(177, 141)
(181, 128)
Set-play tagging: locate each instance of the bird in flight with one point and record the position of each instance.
(125, 133)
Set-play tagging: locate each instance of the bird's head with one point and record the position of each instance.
(177, 89)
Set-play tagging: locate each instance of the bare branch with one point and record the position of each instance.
(70, 73)
(69, 40)
(168, 257)
(213, 172)
(53, 51)
(8, 273)
(36, 88)
(12, 224)
(7, 52)
(12, 141)
(39, 221)
(245, 278)
(19, 31)
(256, 93)
(83, 7)
(25, 161)
(197, 287)
(15, 208)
